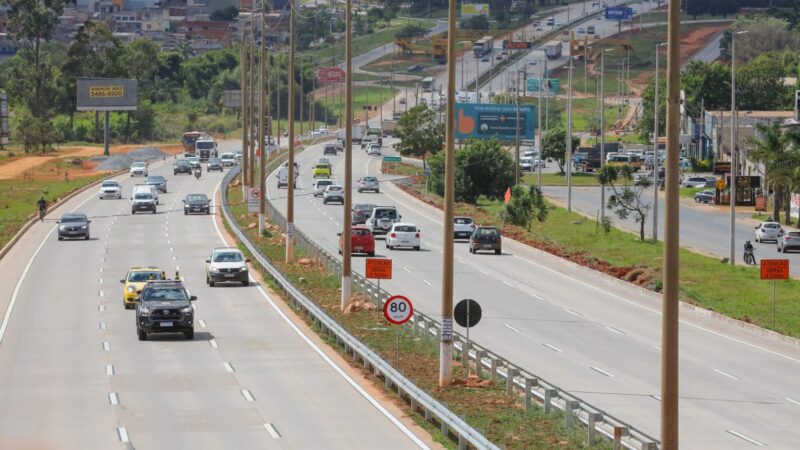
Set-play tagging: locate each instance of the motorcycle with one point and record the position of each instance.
(197, 173)
(749, 258)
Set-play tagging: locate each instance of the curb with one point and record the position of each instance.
(652, 295)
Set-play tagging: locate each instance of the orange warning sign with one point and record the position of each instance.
(380, 268)
(774, 269)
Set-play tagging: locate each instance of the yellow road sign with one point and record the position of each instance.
(106, 91)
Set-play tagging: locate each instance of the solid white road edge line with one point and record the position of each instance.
(726, 374)
(746, 438)
(327, 359)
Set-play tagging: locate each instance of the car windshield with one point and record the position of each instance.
(462, 220)
(182, 162)
(488, 231)
(143, 196)
(138, 164)
(322, 166)
(73, 219)
(406, 228)
(385, 214)
(334, 188)
(364, 207)
(214, 161)
(772, 226)
(360, 232)
(324, 183)
(205, 145)
(110, 184)
(144, 276)
(171, 294)
(226, 156)
(370, 179)
(196, 198)
(156, 179)
(228, 257)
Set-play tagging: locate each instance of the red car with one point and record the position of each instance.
(361, 241)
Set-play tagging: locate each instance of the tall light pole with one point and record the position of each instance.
(655, 152)
(539, 126)
(446, 335)
(669, 317)
(347, 284)
(603, 130)
(734, 149)
(569, 132)
(251, 168)
(244, 93)
(290, 163)
(263, 107)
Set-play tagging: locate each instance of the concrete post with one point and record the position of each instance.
(510, 374)
(569, 407)
(548, 399)
(479, 363)
(493, 374)
(590, 431)
(619, 432)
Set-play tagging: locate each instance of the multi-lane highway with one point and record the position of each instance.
(592, 336)
(74, 375)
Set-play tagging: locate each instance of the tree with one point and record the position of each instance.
(706, 85)
(419, 133)
(225, 14)
(410, 31)
(764, 34)
(554, 145)
(626, 199)
(482, 168)
(759, 85)
(526, 206)
(184, 49)
(476, 23)
(779, 154)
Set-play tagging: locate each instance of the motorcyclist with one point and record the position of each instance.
(41, 204)
(748, 250)
(198, 171)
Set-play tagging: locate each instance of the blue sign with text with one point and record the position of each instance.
(486, 121)
(619, 13)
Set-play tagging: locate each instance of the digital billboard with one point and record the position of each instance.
(486, 121)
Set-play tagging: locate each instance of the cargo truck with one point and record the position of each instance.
(205, 147)
(553, 49)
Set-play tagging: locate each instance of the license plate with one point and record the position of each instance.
(166, 324)
(358, 249)
(229, 275)
(487, 245)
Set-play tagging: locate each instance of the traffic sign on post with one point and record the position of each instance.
(380, 268)
(398, 309)
(467, 314)
(253, 196)
(774, 269)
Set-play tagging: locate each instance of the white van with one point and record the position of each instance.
(143, 200)
(146, 188)
(283, 175)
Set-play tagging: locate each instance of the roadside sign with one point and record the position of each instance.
(720, 184)
(427, 171)
(392, 159)
(467, 313)
(494, 121)
(380, 268)
(328, 75)
(398, 309)
(761, 203)
(517, 45)
(619, 13)
(774, 269)
(253, 196)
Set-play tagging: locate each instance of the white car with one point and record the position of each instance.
(333, 193)
(768, 231)
(110, 189)
(228, 159)
(403, 235)
(194, 161)
(374, 149)
(138, 169)
(227, 265)
(695, 182)
(463, 227)
(320, 185)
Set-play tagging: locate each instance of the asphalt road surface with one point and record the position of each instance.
(74, 375)
(591, 336)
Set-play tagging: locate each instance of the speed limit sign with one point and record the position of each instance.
(398, 309)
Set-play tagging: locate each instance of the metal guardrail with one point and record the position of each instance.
(420, 400)
(517, 379)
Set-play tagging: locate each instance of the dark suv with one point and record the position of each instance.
(73, 225)
(164, 307)
(182, 166)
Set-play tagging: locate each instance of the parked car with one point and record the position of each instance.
(706, 196)
(789, 241)
(368, 184)
(403, 235)
(361, 212)
(320, 185)
(415, 68)
(110, 189)
(485, 238)
(361, 241)
(333, 193)
(463, 227)
(695, 182)
(768, 231)
(73, 225)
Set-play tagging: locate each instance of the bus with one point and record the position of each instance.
(188, 141)
(627, 159)
(429, 84)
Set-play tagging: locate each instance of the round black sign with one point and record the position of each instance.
(467, 313)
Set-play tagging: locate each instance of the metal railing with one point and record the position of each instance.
(420, 401)
(517, 379)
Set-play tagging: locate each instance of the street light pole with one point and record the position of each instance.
(290, 164)
(446, 335)
(602, 131)
(244, 93)
(262, 111)
(539, 127)
(734, 149)
(569, 133)
(347, 284)
(656, 161)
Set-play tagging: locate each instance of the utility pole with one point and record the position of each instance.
(656, 161)
(539, 129)
(347, 284)
(251, 168)
(263, 108)
(446, 335)
(313, 101)
(302, 98)
(734, 149)
(669, 317)
(602, 132)
(516, 147)
(290, 164)
(569, 133)
(244, 93)
(277, 69)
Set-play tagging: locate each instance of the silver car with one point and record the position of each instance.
(368, 184)
(789, 241)
(768, 231)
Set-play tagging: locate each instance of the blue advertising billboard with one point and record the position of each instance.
(619, 13)
(486, 121)
(550, 84)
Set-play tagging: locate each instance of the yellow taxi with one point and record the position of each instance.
(322, 170)
(135, 280)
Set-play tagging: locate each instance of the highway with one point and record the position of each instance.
(594, 337)
(73, 374)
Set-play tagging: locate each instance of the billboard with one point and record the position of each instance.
(327, 75)
(550, 84)
(517, 45)
(619, 13)
(474, 9)
(486, 121)
(3, 118)
(107, 94)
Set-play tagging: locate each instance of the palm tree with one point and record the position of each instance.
(778, 152)
(184, 49)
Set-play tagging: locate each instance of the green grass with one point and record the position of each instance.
(18, 196)
(584, 113)
(554, 179)
(363, 44)
(488, 408)
(736, 292)
(689, 192)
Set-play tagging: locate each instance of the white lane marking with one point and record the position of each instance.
(102, 325)
(171, 249)
(202, 323)
(656, 397)
(213, 343)
(109, 369)
(573, 312)
(726, 374)
(101, 308)
(746, 438)
(483, 271)
(174, 259)
(599, 370)
(228, 367)
(537, 297)
(247, 395)
(272, 431)
(406, 269)
(113, 398)
(100, 294)
(614, 330)
(508, 283)
(101, 281)
(461, 261)
(123, 434)
(106, 346)
(657, 347)
(101, 269)
(427, 282)
(791, 400)
(553, 348)
(511, 328)
(327, 359)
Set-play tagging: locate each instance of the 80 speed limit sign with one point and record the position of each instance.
(398, 309)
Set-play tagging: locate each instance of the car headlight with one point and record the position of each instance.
(83, 227)
(62, 228)
(214, 269)
(143, 310)
(186, 309)
(243, 269)
(131, 289)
